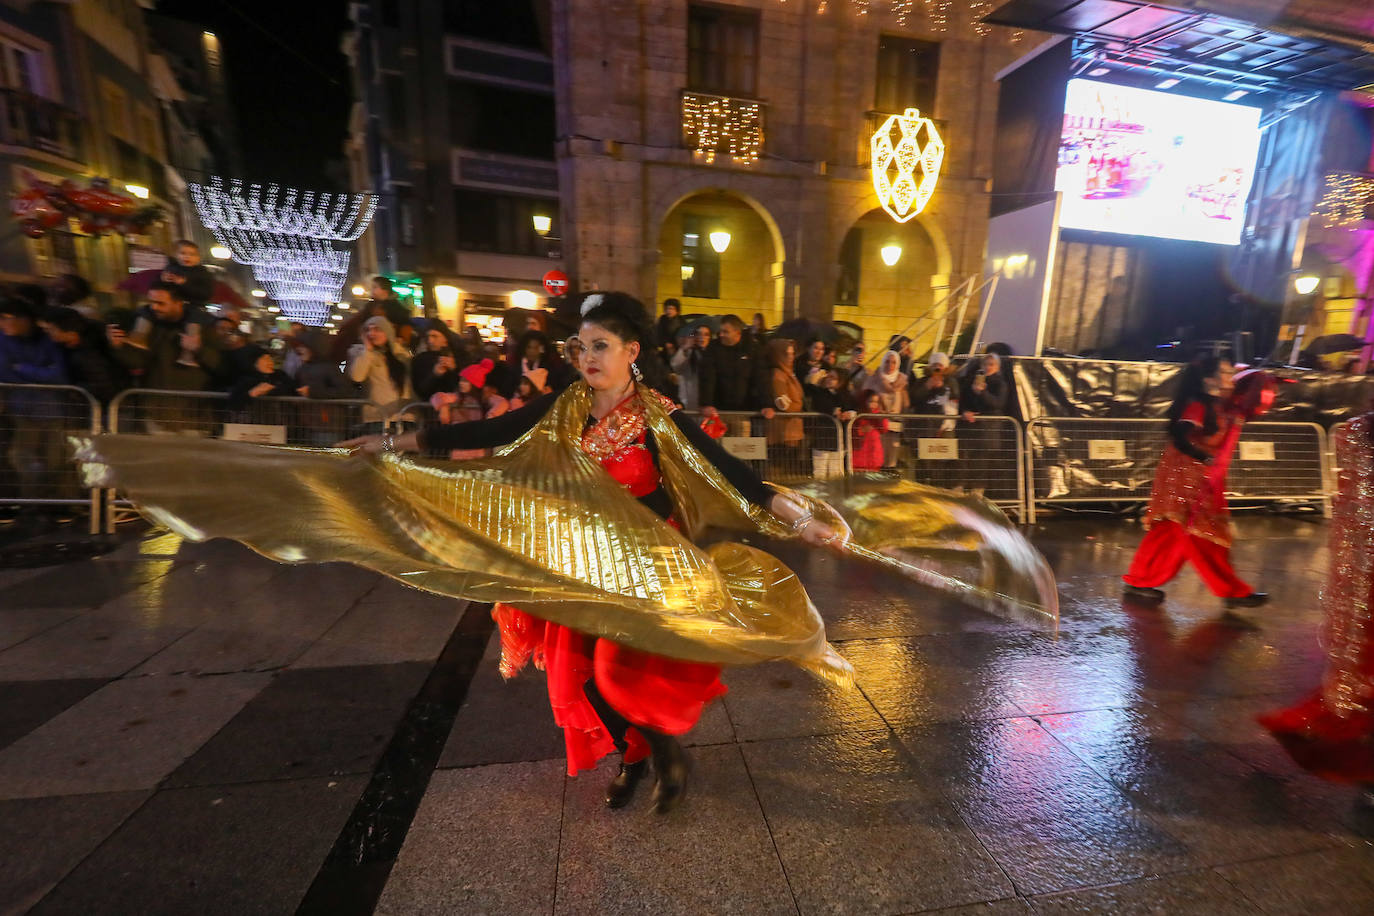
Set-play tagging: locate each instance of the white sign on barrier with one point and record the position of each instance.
(1106, 449)
(259, 433)
(937, 449)
(746, 448)
(1257, 451)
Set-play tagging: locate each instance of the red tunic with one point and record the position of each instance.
(1189, 492)
(659, 693)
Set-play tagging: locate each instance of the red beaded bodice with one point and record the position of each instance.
(617, 440)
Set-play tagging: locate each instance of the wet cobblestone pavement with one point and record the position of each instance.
(193, 729)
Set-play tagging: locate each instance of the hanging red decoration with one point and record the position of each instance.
(43, 206)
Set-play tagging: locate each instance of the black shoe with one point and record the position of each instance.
(622, 787)
(1254, 599)
(1140, 591)
(670, 768)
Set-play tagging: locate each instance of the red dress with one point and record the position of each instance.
(659, 693)
(1332, 732)
(1188, 519)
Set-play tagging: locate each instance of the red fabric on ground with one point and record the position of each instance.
(1167, 546)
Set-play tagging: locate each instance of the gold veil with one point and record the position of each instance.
(540, 525)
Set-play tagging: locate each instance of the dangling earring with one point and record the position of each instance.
(634, 370)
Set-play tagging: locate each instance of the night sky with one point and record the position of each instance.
(293, 93)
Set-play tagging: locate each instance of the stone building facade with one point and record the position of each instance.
(644, 178)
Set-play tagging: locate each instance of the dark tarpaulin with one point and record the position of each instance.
(1103, 389)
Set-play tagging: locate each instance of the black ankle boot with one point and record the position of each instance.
(670, 770)
(622, 787)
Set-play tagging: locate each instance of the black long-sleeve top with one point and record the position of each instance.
(508, 427)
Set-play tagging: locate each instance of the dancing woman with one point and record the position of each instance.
(580, 528)
(1331, 732)
(1188, 519)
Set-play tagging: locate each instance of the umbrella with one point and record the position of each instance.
(803, 329)
(1335, 343)
(692, 322)
(140, 282)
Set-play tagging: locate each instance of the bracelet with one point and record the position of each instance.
(802, 522)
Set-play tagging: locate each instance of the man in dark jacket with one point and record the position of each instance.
(983, 443)
(180, 352)
(185, 270)
(32, 416)
(86, 353)
(729, 373)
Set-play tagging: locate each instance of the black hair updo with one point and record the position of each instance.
(625, 317)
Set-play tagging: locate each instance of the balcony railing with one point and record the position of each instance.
(37, 123)
(722, 125)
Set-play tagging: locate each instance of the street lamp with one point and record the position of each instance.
(524, 299)
(137, 190)
(720, 240)
(358, 290)
(1306, 284)
(220, 253)
(259, 294)
(891, 253)
(542, 224)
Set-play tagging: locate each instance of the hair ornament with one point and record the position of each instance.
(591, 302)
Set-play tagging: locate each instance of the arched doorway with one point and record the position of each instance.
(739, 272)
(885, 298)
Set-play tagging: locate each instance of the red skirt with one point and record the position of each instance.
(658, 693)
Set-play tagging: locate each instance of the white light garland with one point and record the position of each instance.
(714, 124)
(906, 153)
(287, 236)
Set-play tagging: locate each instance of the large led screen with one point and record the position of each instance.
(1140, 162)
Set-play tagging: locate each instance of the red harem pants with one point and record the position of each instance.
(1165, 548)
(651, 691)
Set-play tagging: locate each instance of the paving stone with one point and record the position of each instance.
(712, 855)
(503, 721)
(25, 705)
(485, 840)
(1336, 882)
(86, 646)
(1220, 808)
(782, 701)
(379, 634)
(20, 623)
(127, 735)
(1193, 894)
(913, 682)
(317, 722)
(230, 850)
(84, 584)
(860, 831)
(45, 838)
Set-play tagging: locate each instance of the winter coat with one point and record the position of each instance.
(787, 397)
(868, 444)
(686, 365)
(992, 402)
(942, 400)
(325, 381)
(158, 362)
(727, 379)
(31, 360)
(426, 381)
(199, 285)
(240, 396)
(93, 366)
(371, 369)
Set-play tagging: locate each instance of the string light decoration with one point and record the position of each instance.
(714, 124)
(906, 154)
(1347, 198)
(940, 14)
(288, 237)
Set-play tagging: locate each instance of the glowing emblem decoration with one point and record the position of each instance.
(906, 153)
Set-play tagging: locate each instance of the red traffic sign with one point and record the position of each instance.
(555, 283)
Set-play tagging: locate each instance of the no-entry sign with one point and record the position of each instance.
(555, 283)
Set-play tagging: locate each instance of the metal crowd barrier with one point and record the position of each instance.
(788, 447)
(36, 466)
(1081, 460)
(981, 457)
(300, 422)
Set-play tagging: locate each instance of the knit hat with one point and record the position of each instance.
(476, 374)
(939, 359)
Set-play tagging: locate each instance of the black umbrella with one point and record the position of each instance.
(803, 329)
(1335, 343)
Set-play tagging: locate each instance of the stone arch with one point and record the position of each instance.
(868, 203)
(751, 270)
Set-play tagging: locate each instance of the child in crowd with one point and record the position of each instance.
(868, 435)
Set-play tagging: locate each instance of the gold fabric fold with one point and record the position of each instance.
(539, 525)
